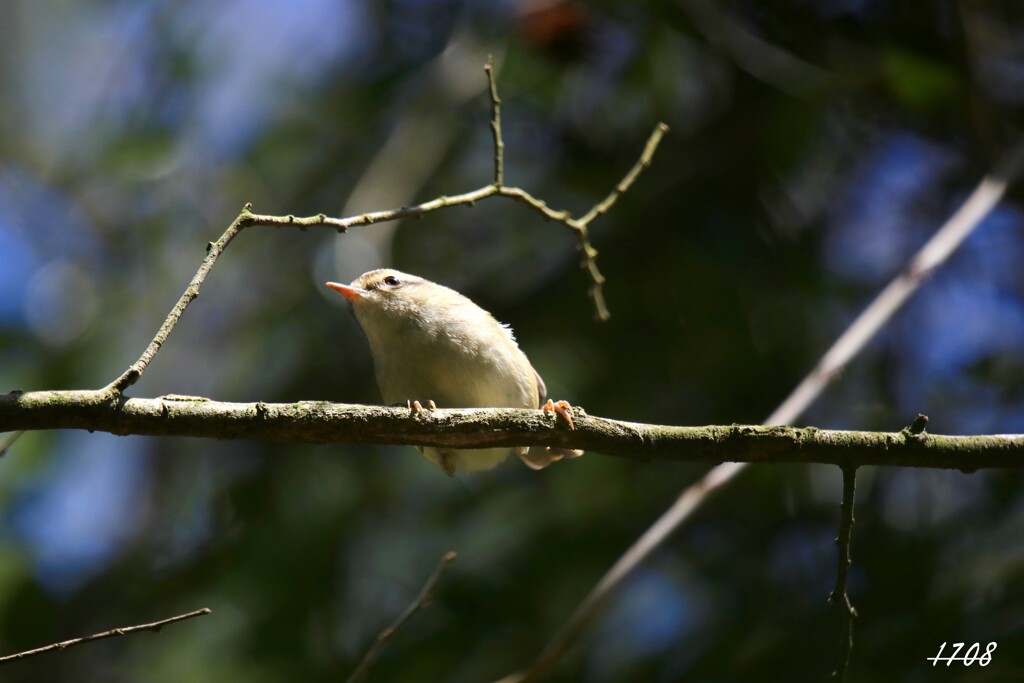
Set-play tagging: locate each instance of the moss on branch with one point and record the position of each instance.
(322, 422)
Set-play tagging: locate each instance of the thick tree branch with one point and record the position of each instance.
(321, 422)
(124, 631)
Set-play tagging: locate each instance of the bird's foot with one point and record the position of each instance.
(561, 408)
(416, 408)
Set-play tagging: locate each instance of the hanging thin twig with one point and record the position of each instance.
(839, 596)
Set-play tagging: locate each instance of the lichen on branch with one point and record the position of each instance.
(322, 422)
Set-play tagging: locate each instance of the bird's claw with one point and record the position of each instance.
(416, 408)
(561, 408)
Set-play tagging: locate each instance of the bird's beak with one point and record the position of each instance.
(350, 293)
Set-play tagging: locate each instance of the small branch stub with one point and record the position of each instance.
(918, 425)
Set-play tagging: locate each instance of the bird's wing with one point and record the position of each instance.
(542, 390)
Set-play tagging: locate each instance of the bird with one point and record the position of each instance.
(430, 343)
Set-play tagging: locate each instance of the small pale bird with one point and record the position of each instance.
(432, 344)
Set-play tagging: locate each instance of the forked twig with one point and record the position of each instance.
(248, 219)
(596, 291)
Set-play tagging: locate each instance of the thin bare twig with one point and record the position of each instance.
(931, 256)
(385, 636)
(64, 644)
(247, 219)
(213, 250)
(643, 162)
(499, 144)
(839, 596)
(596, 291)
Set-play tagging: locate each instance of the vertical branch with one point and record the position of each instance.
(839, 596)
(499, 144)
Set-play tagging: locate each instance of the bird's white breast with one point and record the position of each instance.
(451, 364)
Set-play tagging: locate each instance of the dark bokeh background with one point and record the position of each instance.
(815, 146)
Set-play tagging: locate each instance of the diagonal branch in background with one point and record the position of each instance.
(248, 219)
(8, 441)
(932, 255)
(385, 636)
(124, 631)
(321, 422)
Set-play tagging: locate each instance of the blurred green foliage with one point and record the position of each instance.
(788, 192)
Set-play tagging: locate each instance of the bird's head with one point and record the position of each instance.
(390, 298)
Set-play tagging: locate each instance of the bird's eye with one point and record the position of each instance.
(392, 281)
